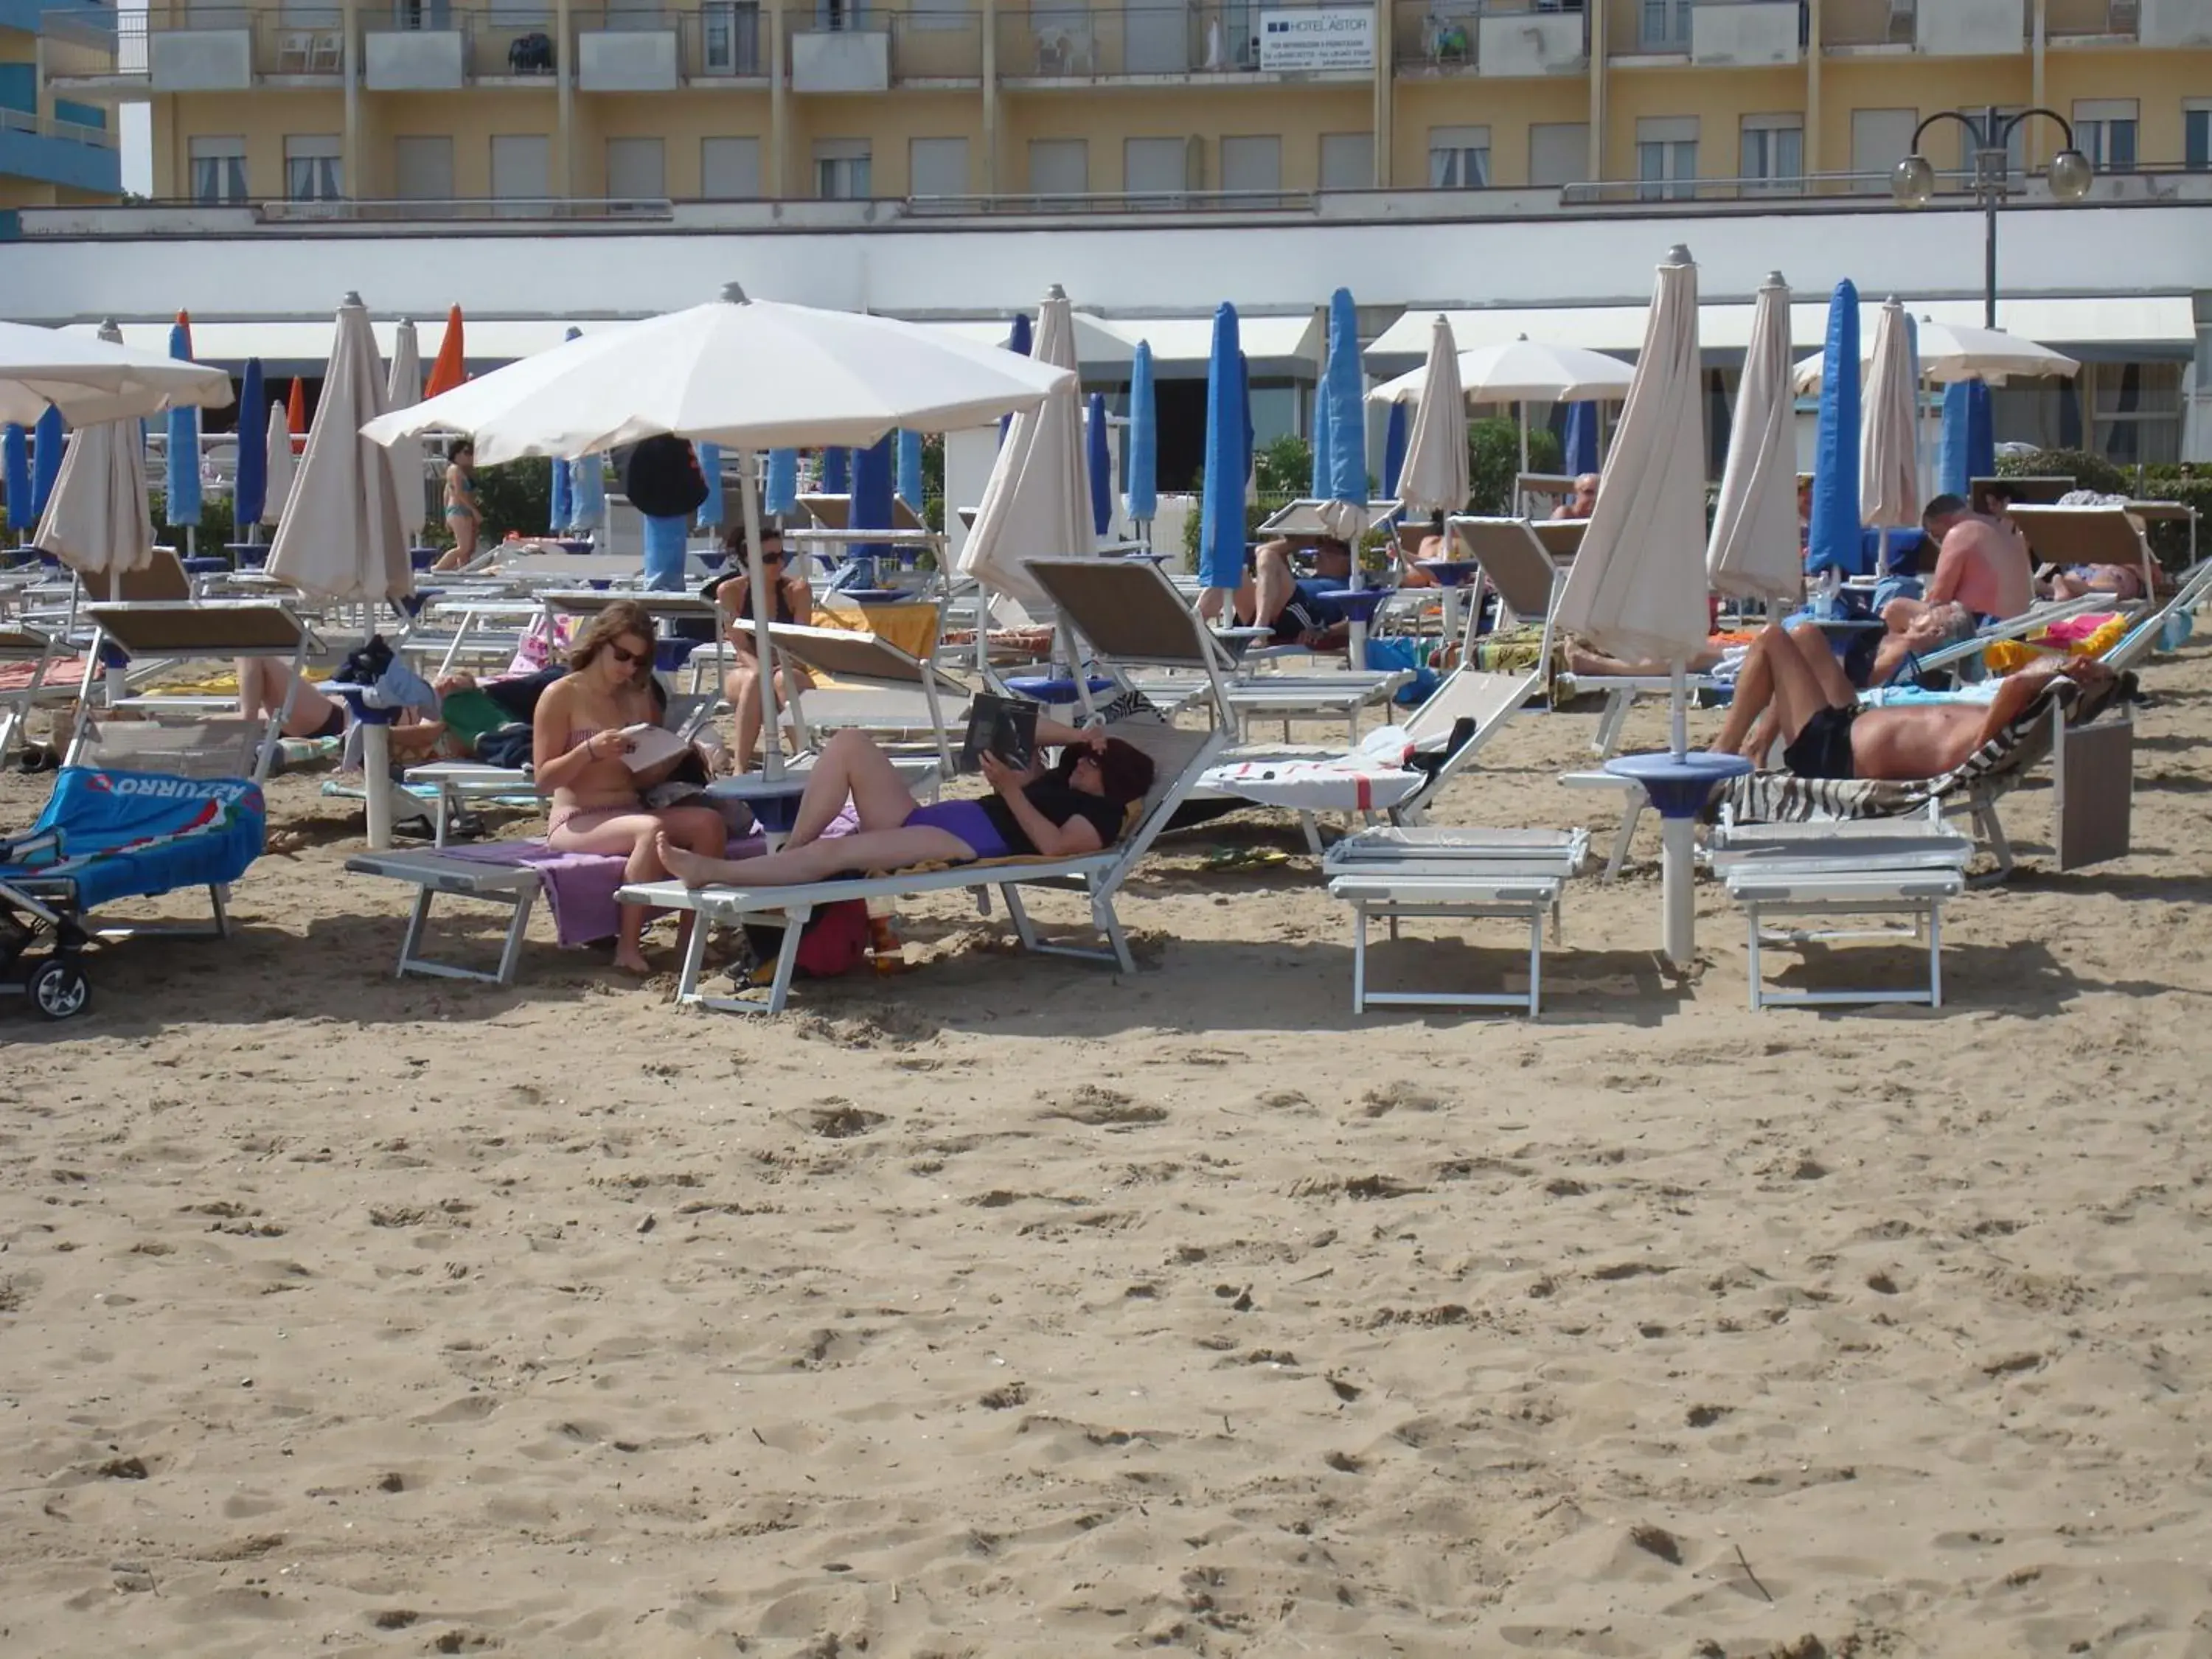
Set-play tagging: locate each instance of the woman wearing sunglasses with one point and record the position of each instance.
(599, 800)
(794, 602)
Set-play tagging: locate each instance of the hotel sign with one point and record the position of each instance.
(1317, 38)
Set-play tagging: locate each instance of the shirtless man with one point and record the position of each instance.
(1792, 679)
(1982, 573)
(1582, 502)
(1274, 596)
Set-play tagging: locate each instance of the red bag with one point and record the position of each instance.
(834, 941)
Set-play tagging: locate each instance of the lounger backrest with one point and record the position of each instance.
(199, 748)
(1471, 693)
(835, 513)
(2082, 535)
(249, 629)
(1514, 561)
(566, 567)
(161, 582)
(842, 654)
(1127, 609)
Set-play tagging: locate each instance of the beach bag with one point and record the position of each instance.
(661, 477)
(834, 941)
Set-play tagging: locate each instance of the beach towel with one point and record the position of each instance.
(579, 887)
(109, 835)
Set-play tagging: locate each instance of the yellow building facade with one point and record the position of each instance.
(418, 102)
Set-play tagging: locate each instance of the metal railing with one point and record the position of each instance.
(350, 212)
(934, 44)
(1442, 38)
(1897, 23)
(501, 43)
(1057, 203)
(2081, 19)
(719, 40)
(1078, 42)
(1659, 192)
(47, 126)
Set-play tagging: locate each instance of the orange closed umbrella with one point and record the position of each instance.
(295, 415)
(447, 372)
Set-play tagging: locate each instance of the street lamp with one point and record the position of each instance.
(1912, 181)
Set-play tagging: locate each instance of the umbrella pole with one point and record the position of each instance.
(755, 581)
(1524, 455)
(1678, 837)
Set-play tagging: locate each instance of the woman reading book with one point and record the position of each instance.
(1075, 806)
(583, 754)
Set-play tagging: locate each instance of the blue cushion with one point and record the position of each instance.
(1043, 688)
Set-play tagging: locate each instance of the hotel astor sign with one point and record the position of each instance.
(1292, 42)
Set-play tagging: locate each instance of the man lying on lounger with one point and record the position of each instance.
(1074, 807)
(1791, 688)
(1297, 608)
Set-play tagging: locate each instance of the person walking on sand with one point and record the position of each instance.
(463, 516)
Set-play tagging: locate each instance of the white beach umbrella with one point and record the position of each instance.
(282, 467)
(97, 521)
(1889, 466)
(748, 375)
(1753, 552)
(1036, 503)
(342, 536)
(1956, 351)
(1434, 477)
(402, 390)
(93, 380)
(1521, 372)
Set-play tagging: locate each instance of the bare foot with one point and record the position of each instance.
(692, 869)
(632, 962)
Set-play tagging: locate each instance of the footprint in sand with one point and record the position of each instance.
(1107, 1109)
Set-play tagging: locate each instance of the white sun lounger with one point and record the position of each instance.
(20, 642)
(879, 687)
(1392, 875)
(1178, 757)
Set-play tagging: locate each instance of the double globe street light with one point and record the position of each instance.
(1912, 181)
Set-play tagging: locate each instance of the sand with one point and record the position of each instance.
(1009, 1308)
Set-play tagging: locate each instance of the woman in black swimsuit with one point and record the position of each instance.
(795, 602)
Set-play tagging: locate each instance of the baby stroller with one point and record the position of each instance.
(105, 835)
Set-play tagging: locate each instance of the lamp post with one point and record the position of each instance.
(1912, 181)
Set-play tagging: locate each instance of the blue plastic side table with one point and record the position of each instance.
(1679, 786)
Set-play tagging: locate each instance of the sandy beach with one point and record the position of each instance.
(1012, 1307)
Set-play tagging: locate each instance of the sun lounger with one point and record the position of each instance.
(20, 642)
(1831, 873)
(1179, 757)
(1392, 875)
(877, 687)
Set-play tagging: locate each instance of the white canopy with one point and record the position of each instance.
(1434, 478)
(1753, 552)
(1036, 504)
(1889, 460)
(402, 390)
(744, 373)
(1638, 586)
(1955, 351)
(97, 521)
(341, 537)
(1522, 371)
(92, 380)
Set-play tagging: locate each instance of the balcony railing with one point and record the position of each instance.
(45, 127)
(1441, 38)
(722, 41)
(1939, 27)
(472, 209)
(2091, 20)
(936, 46)
(490, 45)
(1120, 43)
(1058, 203)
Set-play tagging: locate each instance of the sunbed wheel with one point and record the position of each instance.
(59, 989)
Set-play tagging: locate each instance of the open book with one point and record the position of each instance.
(649, 745)
(1005, 726)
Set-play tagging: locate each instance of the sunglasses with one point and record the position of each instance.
(627, 657)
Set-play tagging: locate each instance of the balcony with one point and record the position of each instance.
(1713, 33)
(852, 60)
(436, 49)
(1173, 44)
(2091, 22)
(1935, 28)
(627, 50)
(2176, 23)
(937, 48)
(720, 43)
(58, 153)
(1525, 43)
(203, 49)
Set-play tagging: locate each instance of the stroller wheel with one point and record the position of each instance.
(59, 988)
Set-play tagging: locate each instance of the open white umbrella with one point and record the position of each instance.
(748, 375)
(1037, 501)
(402, 389)
(97, 521)
(1955, 351)
(282, 466)
(1638, 586)
(1753, 552)
(1521, 372)
(92, 380)
(1434, 478)
(1889, 462)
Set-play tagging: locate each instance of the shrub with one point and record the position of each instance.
(2089, 472)
(1493, 460)
(210, 535)
(518, 496)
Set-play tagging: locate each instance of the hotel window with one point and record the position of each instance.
(1060, 167)
(424, 167)
(311, 168)
(2196, 135)
(729, 169)
(1664, 26)
(2104, 131)
(1880, 138)
(1970, 138)
(2136, 411)
(637, 169)
(218, 169)
(1252, 164)
(1348, 161)
(521, 169)
(937, 166)
(1667, 157)
(1773, 151)
(840, 169)
(1162, 167)
(1458, 158)
(1559, 152)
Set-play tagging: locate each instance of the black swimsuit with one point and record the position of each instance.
(1823, 748)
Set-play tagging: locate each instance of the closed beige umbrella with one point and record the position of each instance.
(402, 391)
(282, 467)
(1889, 461)
(97, 521)
(1434, 478)
(342, 536)
(1753, 552)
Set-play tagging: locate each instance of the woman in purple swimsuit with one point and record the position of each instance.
(1078, 805)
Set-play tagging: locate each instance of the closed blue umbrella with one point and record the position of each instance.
(872, 494)
(1969, 448)
(1141, 480)
(665, 536)
(1832, 541)
(16, 449)
(1344, 394)
(910, 470)
(1318, 488)
(48, 439)
(587, 487)
(781, 495)
(1394, 449)
(1244, 400)
(184, 480)
(1582, 439)
(563, 507)
(711, 511)
(1221, 503)
(250, 492)
(836, 472)
(1018, 339)
(1101, 468)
